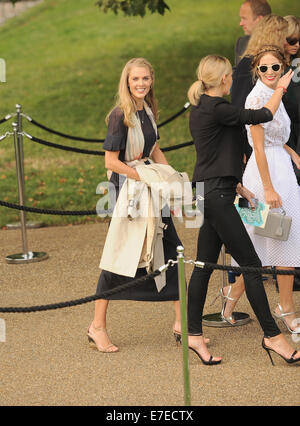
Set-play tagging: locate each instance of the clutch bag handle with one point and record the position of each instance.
(279, 230)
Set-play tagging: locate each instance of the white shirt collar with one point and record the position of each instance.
(264, 87)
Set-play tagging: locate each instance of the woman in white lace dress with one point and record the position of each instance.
(269, 175)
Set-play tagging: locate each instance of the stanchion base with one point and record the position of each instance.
(30, 257)
(215, 320)
(29, 225)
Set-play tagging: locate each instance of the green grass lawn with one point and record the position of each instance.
(63, 62)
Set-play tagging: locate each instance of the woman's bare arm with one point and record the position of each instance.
(271, 196)
(158, 156)
(113, 163)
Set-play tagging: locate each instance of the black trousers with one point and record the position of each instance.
(223, 225)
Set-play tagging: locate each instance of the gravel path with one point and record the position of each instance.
(46, 359)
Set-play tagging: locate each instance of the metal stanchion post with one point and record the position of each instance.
(26, 256)
(20, 146)
(216, 320)
(21, 159)
(184, 331)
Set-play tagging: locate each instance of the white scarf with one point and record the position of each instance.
(135, 139)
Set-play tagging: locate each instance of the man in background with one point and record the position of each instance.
(251, 12)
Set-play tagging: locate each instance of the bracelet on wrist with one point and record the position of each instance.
(281, 87)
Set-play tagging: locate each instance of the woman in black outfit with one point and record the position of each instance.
(215, 126)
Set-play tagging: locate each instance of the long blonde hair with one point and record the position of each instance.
(270, 30)
(293, 25)
(210, 72)
(124, 99)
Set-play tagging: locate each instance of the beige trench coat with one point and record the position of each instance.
(134, 238)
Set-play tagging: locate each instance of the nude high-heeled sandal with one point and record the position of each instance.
(92, 340)
(290, 360)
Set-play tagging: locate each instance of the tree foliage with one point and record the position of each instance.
(128, 7)
(133, 7)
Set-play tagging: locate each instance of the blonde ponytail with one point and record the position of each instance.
(195, 91)
(210, 73)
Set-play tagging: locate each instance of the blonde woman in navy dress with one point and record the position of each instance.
(136, 106)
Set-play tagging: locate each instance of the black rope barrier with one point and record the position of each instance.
(239, 269)
(54, 212)
(64, 135)
(6, 118)
(186, 106)
(181, 145)
(138, 281)
(94, 140)
(207, 265)
(63, 147)
(81, 301)
(93, 152)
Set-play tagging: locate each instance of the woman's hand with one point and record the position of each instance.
(285, 80)
(296, 160)
(274, 102)
(139, 156)
(246, 193)
(293, 154)
(272, 198)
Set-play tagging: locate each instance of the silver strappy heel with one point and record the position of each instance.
(229, 320)
(282, 316)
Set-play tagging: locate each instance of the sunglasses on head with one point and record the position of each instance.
(264, 68)
(292, 41)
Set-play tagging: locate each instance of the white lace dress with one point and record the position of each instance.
(274, 252)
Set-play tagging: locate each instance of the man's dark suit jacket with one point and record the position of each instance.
(240, 48)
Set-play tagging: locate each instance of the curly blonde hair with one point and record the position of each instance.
(124, 99)
(271, 30)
